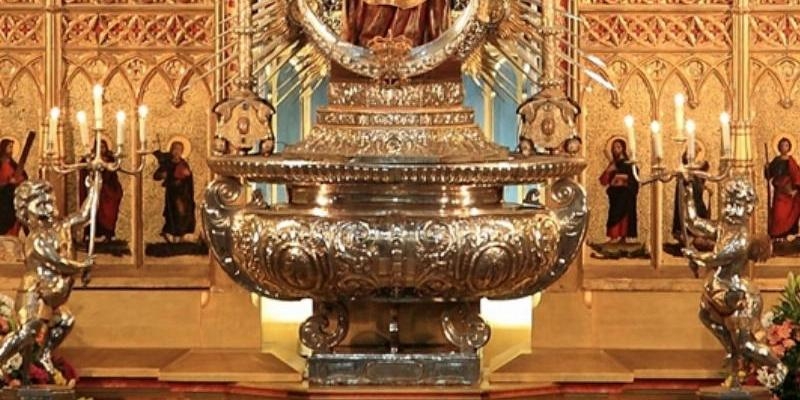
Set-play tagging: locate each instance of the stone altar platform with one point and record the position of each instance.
(248, 374)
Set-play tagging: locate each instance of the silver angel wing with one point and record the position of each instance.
(531, 39)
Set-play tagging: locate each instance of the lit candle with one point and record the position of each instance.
(97, 96)
(631, 137)
(83, 127)
(725, 122)
(120, 128)
(52, 131)
(658, 146)
(680, 100)
(691, 151)
(142, 133)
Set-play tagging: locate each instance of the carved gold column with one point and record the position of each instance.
(742, 155)
(219, 54)
(53, 79)
(657, 216)
(740, 119)
(657, 224)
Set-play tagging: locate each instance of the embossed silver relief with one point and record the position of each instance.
(465, 329)
(326, 328)
(294, 254)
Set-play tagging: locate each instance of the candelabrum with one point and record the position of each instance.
(689, 169)
(730, 306)
(91, 154)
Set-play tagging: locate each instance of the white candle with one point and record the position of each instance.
(83, 127)
(52, 131)
(142, 133)
(658, 145)
(691, 151)
(680, 100)
(97, 96)
(120, 128)
(725, 122)
(631, 137)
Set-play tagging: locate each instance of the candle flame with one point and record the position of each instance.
(680, 99)
(725, 118)
(690, 126)
(121, 116)
(629, 121)
(81, 116)
(655, 126)
(143, 111)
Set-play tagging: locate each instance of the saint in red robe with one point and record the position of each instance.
(418, 20)
(10, 178)
(784, 175)
(110, 198)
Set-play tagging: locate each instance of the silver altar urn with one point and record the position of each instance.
(395, 223)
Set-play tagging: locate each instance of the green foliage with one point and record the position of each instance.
(789, 307)
(789, 310)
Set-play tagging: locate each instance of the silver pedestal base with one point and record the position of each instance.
(39, 392)
(443, 368)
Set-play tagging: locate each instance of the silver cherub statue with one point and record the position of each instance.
(730, 305)
(49, 274)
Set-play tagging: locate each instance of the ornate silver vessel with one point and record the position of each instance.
(395, 214)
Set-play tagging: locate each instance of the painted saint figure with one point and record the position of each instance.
(420, 21)
(178, 182)
(622, 189)
(11, 176)
(783, 173)
(110, 198)
(698, 188)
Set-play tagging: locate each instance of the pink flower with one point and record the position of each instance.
(778, 350)
(778, 333)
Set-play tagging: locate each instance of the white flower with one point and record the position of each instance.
(14, 363)
(766, 319)
(771, 380)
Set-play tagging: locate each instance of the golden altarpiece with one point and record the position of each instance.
(179, 318)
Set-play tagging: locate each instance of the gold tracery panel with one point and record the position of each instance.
(154, 52)
(738, 56)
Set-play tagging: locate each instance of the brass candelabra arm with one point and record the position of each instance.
(139, 167)
(661, 174)
(725, 173)
(61, 168)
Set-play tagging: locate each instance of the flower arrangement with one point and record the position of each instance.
(782, 326)
(59, 373)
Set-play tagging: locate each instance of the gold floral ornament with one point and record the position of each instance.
(386, 50)
(548, 120)
(244, 124)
